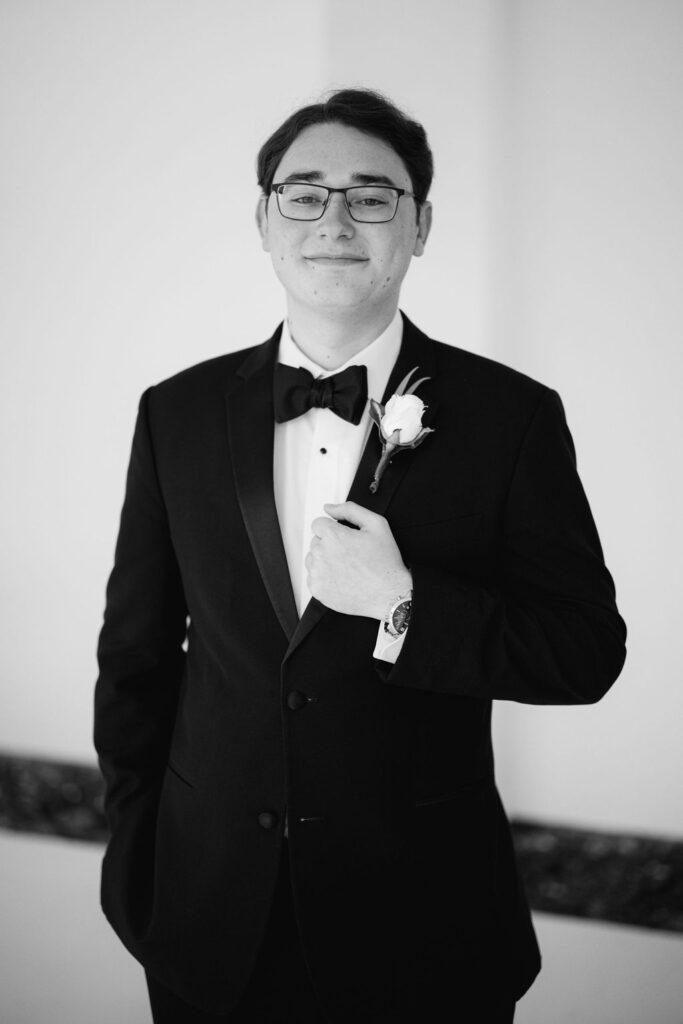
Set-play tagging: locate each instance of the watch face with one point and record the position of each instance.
(401, 617)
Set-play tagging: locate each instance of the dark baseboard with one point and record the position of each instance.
(54, 798)
(604, 876)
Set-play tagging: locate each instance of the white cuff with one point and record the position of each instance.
(388, 648)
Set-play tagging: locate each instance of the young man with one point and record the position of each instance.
(303, 636)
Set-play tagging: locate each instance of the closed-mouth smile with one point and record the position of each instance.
(336, 261)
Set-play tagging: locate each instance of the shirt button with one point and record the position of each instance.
(323, 451)
(296, 700)
(267, 819)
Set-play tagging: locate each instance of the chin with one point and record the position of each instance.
(331, 297)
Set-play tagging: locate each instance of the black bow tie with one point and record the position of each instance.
(296, 391)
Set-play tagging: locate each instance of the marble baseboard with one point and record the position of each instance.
(54, 798)
(625, 879)
(607, 876)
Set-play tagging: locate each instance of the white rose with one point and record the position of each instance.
(404, 413)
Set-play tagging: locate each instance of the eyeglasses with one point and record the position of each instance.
(367, 204)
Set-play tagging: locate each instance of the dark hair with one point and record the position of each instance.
(368, 112)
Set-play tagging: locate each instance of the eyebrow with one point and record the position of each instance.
(358, 178)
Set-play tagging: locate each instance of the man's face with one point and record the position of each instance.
(336, 265)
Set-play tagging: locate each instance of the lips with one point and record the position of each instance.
(337, 259)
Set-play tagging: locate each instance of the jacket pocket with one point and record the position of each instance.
(179, 773)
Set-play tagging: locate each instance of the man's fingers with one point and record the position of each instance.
(322, 525)
(350, 512)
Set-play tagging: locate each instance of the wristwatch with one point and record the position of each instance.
(397, 618)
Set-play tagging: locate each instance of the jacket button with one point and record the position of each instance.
(267, 819)
(296, 700)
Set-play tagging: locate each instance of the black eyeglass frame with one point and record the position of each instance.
(392, 188)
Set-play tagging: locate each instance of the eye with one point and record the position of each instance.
(304, 200)
(371, 198)
(302, 195)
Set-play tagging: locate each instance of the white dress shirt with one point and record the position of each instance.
(315, 458)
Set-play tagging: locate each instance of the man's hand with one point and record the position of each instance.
(355, 571)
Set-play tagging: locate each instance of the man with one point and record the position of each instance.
(303, 635)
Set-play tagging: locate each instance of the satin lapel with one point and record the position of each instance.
(250, 427)
(416, 350)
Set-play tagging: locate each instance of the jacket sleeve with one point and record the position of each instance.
(547, 630)
(140, 649)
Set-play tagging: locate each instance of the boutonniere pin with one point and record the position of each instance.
(399, 423)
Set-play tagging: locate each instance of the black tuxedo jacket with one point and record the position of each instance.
(217, 711)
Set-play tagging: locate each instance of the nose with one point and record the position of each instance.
(336, 222)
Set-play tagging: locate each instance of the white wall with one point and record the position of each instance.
(128, 251)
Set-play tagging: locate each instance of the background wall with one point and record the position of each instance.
(129, 251)
(590, 301)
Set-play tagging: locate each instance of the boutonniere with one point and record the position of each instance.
(399, 423)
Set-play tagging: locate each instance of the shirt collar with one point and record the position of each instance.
(379, 356)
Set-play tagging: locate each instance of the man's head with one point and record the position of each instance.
(345, 254)
(367, 112)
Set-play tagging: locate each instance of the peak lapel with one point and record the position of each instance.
(416, 350)
(250, 428)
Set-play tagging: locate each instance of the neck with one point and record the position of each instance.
(331, 341)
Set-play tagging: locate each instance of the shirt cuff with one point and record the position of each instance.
(388, 648)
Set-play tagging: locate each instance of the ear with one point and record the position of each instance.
(262, 221)
(424, 226)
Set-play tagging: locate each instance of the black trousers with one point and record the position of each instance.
(280, 989)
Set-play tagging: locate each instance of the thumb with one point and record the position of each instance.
(353, 514)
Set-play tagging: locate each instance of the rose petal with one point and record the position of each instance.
(403, 413)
